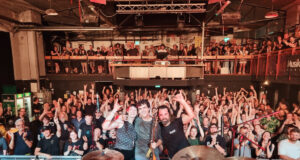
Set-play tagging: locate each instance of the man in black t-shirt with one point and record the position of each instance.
(172, 131)
(36, 107)
(49, 145)
(215, 140)
(86, 129)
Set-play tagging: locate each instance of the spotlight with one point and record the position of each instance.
(266, 83)
(180, 21)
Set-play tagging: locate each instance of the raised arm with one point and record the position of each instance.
(108, 124)
(58, 128)
(112, 89)
(254, 91)
(186, 118)
(93, 92)
(103, 91)
(187, 133)
(84, 94)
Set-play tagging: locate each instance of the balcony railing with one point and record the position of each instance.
(263, 65)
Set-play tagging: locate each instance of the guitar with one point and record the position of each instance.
(151, 154)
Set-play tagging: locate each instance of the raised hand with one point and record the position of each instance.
(178, 97)
(56, 121)
(24, 135)
(70, 148)
(116, 105)
(85, 139)
(10, 134)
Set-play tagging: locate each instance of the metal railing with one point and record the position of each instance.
(263, 65)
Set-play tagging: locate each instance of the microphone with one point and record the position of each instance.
(241, 138)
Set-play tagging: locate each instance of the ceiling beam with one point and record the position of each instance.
(63, 28)
(160, 8)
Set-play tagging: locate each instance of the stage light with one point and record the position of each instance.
(271, 15)
(157, 86)
(266, 83)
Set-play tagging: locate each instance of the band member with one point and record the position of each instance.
(126, 134)
(145, 127)
(172, 131)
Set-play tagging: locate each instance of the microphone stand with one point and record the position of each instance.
(234, 129)
(244, 137)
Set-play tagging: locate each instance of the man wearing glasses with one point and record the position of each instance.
(21, 141)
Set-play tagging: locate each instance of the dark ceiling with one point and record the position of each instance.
(252, 15)
(69, 15)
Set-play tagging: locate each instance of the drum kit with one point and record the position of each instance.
(106, 154)
(188, 153)
(203, 153)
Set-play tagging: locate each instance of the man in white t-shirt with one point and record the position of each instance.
(289, 149)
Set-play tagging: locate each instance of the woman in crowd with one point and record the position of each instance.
(266, 147)
(84, 67)
(74, 146)
(56, 52)
(243, 62)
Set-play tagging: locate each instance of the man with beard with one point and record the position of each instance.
(290, 148)
(214, 140)
(144, 128)
(172, 131)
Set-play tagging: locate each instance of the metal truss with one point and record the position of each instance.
(160, 8)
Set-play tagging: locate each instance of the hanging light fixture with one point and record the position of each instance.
(271, 14)
(50, 11)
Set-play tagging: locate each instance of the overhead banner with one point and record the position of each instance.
(293, 65)
(99, 1)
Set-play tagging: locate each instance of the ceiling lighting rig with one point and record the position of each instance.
(160, 8)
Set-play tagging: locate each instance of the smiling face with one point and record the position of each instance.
(47, 133)
(20, 125)
(194, 132)
(294, 136)
(266, 136)
(143, 110)
(164, 116)
(73, 135)
(132, 112)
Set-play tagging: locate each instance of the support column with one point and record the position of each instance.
(28, 52)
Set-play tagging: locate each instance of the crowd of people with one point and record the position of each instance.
(160, 122)
(213, 48)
